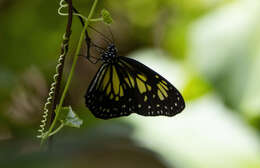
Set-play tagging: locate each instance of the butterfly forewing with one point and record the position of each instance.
(107, 97)
(127, 86)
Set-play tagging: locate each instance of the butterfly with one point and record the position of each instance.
(123, 86)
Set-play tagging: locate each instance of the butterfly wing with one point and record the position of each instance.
(128, 86)
(154, 95)
(107, 97)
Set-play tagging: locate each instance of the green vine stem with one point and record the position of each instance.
(96, 20)
(57, 130)
(49, 132)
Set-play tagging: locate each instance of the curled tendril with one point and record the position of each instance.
(52, 90)
(63, 4)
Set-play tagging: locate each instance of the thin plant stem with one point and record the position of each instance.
(57, 130)
(96, 20)
(71, 72)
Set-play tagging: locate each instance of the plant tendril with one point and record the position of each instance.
(52, 89)
(63, 5)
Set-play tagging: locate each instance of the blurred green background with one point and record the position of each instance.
(209, 49)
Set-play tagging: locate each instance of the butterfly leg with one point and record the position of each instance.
(94, 60)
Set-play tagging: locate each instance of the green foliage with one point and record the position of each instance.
(69, 118)
(106, 16)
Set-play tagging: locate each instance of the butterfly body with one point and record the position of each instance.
(123, 86)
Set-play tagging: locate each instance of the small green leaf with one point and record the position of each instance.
(69, 118)
(106, 16)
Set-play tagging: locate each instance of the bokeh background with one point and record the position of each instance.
(209, 49)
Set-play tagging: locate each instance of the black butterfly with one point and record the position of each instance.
(123, 86)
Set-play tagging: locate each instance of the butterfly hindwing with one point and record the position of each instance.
(127, 86)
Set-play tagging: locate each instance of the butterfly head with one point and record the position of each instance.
(110, 54)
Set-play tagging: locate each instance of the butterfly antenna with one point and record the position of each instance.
(88, 40)
(108, 41)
